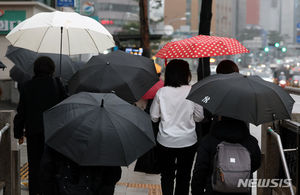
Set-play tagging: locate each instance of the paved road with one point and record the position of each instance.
(296, 108)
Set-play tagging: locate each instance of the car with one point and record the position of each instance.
(281, 80)
(295, 81)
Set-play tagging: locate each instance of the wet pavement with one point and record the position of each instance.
(131, 183)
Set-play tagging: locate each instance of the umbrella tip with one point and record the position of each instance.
(102, 102)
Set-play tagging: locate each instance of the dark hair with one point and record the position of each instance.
(44, 66)
(227, 67)
(177, 73)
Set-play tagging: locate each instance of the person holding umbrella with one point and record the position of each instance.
(62, 176)
(37, 95)
(177, 138)
(227, 67)
(88, 137)
(229, 130)
(224, 67)
(222, 129)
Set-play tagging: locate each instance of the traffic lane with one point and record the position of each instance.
(296, 108)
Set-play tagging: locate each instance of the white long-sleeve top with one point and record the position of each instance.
(177, 116)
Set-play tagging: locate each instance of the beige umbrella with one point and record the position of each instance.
(42, 33)
(58, 32)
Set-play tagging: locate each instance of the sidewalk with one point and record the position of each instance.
(136, 183)
(131, 183)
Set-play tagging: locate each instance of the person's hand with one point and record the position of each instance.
(21, 140)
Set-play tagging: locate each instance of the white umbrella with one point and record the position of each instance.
(58, 32)
(44, 33)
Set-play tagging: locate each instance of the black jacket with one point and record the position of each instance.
(232, 131)
(36, 96)
(61, 176)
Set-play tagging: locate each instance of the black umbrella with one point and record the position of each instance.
(18, 75)
(98, 129)
(129, 76)
(247, 98)
(2, 65)
(24, 59)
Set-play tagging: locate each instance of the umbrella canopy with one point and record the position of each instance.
(42, 33)
(18, 75)
(152, 91)
(201, 46)
(247, 98)
(2, 65)
(24, 60)
(98, 129)
(129, 76)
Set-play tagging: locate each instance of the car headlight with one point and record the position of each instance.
(282, 82)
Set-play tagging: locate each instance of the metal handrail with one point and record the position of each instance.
(291, 150)
(286, 170)
(2, 131)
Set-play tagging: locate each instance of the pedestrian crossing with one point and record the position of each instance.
(153, 189)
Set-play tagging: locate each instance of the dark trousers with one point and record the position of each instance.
(176, 163)
(35, 148)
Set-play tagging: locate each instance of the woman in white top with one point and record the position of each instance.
(177, 137)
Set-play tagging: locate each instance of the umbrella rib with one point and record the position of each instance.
(127, 82)
(18, 37)
(117, 133)
(87, 30)
(121, 116)
(273, 91)
(68, 42)
(97, 101)
(73, 132)
(221, 102)
(256, 113)
(43, 38)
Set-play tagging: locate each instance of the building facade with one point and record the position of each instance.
(182, 15)
(224, 18)
(114, 14)
(12, 13)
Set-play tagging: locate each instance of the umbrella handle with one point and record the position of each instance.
(60, 54)
(274, 118)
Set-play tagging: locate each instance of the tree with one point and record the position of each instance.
(144, 27)
(204, 29)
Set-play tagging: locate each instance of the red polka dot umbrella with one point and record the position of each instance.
(201, 46)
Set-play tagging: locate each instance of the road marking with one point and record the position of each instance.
(154, 189)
